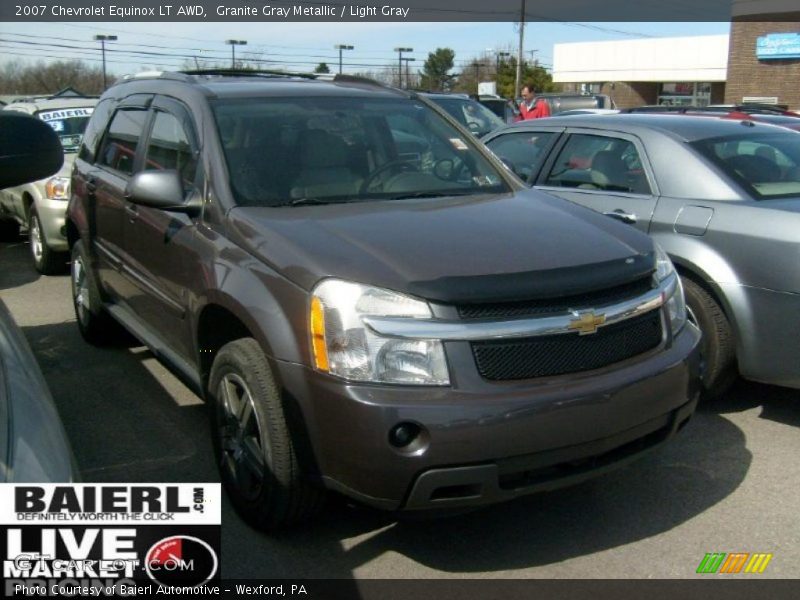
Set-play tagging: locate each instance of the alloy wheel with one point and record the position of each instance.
(80, 290)
(243, 454)
(37, 248)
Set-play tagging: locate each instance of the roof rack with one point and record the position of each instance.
(248, 73)
(190, 74)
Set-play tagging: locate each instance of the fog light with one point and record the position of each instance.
(403, 434)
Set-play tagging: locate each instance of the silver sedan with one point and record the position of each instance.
(722, 197)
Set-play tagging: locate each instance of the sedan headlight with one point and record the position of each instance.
(57, 188)
(344, 346)
(675, 303)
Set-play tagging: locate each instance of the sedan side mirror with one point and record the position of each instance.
(29, 149)
(160, 189)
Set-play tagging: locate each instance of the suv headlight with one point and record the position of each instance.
(57, 188)
(344, 346)
(675, 303)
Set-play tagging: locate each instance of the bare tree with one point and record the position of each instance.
(47, 78)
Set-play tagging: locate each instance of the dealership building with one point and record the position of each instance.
(758, 62)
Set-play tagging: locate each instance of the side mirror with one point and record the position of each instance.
(29, 149)
(159, 189)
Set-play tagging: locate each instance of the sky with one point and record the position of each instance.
(301, 46)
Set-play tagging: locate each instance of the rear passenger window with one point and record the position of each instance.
(592, 162)
(119, 145)
(169, 148)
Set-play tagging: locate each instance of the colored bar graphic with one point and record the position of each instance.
(734, 562)
(758, 563)
(720, 562)
(711, 562)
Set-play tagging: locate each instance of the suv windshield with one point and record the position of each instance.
(291, 151)
(68, 123)
(766, 164)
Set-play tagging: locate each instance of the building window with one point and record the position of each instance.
(684, 94)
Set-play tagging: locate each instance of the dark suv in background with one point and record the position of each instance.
(368, 300)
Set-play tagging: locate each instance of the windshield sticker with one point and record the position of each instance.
(459, 144)
(69, 113)
(486, 180)
(56, 125)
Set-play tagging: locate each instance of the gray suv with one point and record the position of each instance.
(366, 299)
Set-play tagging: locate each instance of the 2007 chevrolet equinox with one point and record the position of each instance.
(368, 299)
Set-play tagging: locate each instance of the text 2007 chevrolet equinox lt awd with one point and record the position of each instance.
(368, 300)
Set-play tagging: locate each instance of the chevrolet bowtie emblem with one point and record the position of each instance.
(587, 323)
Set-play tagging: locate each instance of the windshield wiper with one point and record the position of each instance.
(309, 201)
(428, 195)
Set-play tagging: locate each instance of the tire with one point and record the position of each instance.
(45, 260)
(9, 231)
(95, 324)
(718, 347)
(255, 450)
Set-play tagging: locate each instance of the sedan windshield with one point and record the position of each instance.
(767, 164)
(301, 151)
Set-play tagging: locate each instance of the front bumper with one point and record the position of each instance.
(491, 441)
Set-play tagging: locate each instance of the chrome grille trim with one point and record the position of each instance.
(411, 328)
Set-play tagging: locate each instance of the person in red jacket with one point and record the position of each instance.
(531, 107)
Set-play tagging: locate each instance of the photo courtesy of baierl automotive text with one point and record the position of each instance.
(292, 292)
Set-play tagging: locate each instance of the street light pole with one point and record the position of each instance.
(233, 44)
(103, 39)
(498, 56)
(408, 78)
(341, 47)
(400, 64)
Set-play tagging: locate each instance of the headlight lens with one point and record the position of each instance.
(57, 188)
(344, 346)
(675, 303)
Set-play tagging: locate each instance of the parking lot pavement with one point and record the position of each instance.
(727, 483)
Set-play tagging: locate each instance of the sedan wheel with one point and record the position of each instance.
(717, 345)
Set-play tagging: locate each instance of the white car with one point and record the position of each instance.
(40, 206)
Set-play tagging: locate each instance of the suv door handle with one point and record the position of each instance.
(132, 211)
(621, 215)
(91, 184)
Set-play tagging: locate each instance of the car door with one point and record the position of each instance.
(157, 242)
(106, 182)
(605, 171)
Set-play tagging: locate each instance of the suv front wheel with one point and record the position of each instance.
(256, 453)
(46, 261)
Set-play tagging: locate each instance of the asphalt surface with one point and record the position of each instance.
(728, 483)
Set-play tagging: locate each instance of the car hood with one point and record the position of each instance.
(468, 249)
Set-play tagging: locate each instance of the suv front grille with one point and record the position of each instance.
(551, 355)
(545, 306)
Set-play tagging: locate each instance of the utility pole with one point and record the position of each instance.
(341, 47)
(518, 78)
(233, 44)
(400, 64)
(103, 39)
